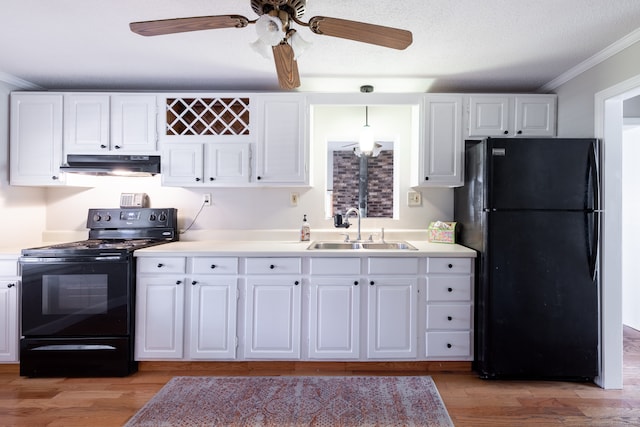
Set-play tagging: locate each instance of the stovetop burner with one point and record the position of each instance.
(117, 230)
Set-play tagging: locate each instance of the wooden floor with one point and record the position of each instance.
(471, 401)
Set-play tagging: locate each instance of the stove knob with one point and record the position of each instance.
(152, 217)
(97, 217)
(163, 217)
(107, 217)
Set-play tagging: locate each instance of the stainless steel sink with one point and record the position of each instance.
(361, 245)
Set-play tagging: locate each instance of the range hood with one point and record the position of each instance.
(115, 165)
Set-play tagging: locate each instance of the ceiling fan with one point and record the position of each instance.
(274, 29)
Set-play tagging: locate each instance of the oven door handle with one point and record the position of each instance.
(73, 347)
(101, 258)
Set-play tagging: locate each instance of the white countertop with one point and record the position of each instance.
(296, 248)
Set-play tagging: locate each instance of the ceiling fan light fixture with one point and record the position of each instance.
(262, 48)
(298, 44)
(269, 29)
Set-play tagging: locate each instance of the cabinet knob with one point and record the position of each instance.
(54, 178)
(426, 178)
(160, 265)
(372, 283)
(213, 266)
(296, 283)
(450, 265)
(259, 178)
(178, 282)
(193, 283)
(449, 346)
(506, 132)
(11, 285)
(211, 178)
(103, 146)
(272, 266)
(117, 147)
(519, 132)
(449, 318)
(197, 179)
(355, 283)
(449, 289)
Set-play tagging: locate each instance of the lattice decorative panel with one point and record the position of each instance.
(208, 116)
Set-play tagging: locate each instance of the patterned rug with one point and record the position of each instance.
(295, 401)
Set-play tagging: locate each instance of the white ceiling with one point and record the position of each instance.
(458, 45)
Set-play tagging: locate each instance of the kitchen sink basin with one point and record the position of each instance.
(361, 245)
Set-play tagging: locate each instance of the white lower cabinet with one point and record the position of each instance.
(272, 316)
(212, 327)
(160, 317)
(9, 283)
(341, 308)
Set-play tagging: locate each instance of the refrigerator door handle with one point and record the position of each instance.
(594, 242)
(595, 178)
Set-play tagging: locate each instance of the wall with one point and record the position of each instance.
(22, 209)
(235, 211)
(576, 109)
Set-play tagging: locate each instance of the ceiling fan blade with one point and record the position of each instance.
(394, 38)
(182, 25)
(286, 66)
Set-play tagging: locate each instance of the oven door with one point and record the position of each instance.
(72, 297)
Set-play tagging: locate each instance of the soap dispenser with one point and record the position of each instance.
(305, 230)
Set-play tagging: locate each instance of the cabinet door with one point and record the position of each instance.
(212, 328)
(441, 149)
(160, 317)
(489, 116)
(392, 318)
(281, 149)
(133, 124)
(226, 163)
(334, 318)
(182, 164)
(86, 124)
(8, 320)
(36, 139)
(272, 316)
(535, 115)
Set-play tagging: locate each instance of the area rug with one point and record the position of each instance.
(295, 401)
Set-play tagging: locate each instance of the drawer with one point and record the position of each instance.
(392, 266)
(335, 266)
(161, 265)
(449, 288)
(274, 265)
(449, 265)
(215, 265)
(8, 267)
(451, 316)
(448, 344)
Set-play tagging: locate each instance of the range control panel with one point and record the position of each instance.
(132, 218)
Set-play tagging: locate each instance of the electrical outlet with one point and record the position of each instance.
(206, 199)
(414, 198)
(294, 198)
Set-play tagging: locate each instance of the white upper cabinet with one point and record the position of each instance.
(36, 139)
(512, 115)
(110, 124)
(281, 145)
(440, 149)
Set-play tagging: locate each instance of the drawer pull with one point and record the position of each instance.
(178, 282)
(160, 265)
(450, 266)
(372, 283)
(449, 289)
(449, 345)
(449, 318)
(296, 283)
(194, 283)
(355, 283)
(272, 266)
(11, 285)
(213, 266)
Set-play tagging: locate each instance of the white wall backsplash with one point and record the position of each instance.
(264, 208)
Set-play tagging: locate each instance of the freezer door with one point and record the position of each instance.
(541, 174)
(540, 314)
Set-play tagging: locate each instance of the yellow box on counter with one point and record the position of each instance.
(442, 232)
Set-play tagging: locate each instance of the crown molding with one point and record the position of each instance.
(18, 82)
(591, 62)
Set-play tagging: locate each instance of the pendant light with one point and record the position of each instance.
(366, 142)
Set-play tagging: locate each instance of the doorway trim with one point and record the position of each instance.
(608, 128)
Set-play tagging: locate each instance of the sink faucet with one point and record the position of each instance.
(346, 216)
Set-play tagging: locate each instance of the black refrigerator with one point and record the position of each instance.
(530, 208)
